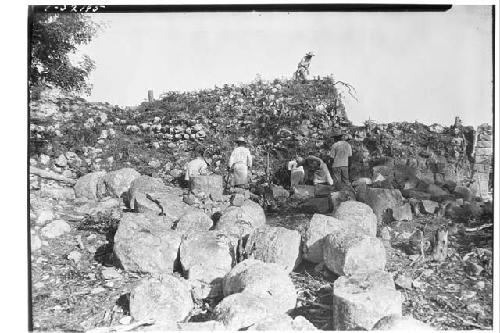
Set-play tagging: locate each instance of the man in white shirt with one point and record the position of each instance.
(240, 163)
(196, 167)
(340, 153)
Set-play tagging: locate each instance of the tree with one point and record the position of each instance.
(54, 37)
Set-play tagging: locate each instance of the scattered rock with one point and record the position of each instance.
(206, 257)
(404, 281)
(110, 273)
(348, 252)
(57, 192)
(385, 234)
(210, 325)
(429, 207)
(75, 256)
(396, 322)
(55, 229)
(275, 245)
(125, 320)
(361, 300)
(47, 214)
(61, 161)
(358, 214)
(166, 297)
(107, 206)
(36, 243)
(145, 243)
(473, 268)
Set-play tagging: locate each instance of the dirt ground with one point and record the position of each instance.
(72, 295)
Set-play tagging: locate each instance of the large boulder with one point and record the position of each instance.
(142, 185)
(319, 227)
(167, 298)
(381, 200)
(361, 300)
(241, 220)
(396, 322)
(347, 253)
(91, 186)
(193, 221)
(118, 182)
(146, 243)
(206, 257)
(165, 203)
(283, 322)
(242, 310)
(275, 245)
(429, 206)
(262, 279)
(211, 185)
(358, 214)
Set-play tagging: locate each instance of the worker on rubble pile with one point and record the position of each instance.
(340, 153)
(315, 167)
(303, 67)
(196, 167)
(240, 164)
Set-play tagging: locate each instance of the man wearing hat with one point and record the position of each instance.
(340, 153)
(303, 67)
(240, 163)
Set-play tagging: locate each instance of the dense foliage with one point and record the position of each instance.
(54, 37)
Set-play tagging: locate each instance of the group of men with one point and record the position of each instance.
(303, 170)
(239, 166)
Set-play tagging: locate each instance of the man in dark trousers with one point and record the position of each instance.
(340, 153)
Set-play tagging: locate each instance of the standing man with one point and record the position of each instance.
(340, 153)
(240, 163)
(303, 67)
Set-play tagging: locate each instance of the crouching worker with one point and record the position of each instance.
(240, 164)
(315, 166)
(196, 167)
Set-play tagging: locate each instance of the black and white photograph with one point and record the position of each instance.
(228, 167)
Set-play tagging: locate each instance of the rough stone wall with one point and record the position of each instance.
(483, 160)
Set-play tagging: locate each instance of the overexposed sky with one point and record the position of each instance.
(405, 66)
